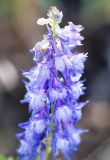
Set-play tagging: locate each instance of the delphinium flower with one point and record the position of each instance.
(54, 87)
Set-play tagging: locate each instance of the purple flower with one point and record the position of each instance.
(53, 91)
(63, 114)
(62, 144)
(35, 102)
(70, 35)
(56, 94)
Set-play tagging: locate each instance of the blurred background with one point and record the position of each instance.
(19, 32)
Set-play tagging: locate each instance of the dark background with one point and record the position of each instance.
(19, 32)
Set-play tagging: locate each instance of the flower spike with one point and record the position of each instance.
(54, 87)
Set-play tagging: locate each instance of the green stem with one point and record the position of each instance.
(54, 28)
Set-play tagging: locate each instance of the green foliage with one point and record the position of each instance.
(99, 8)
(2, 157)
(48, 3)
(5, 7)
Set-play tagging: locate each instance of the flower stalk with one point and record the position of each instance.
(53, 88)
